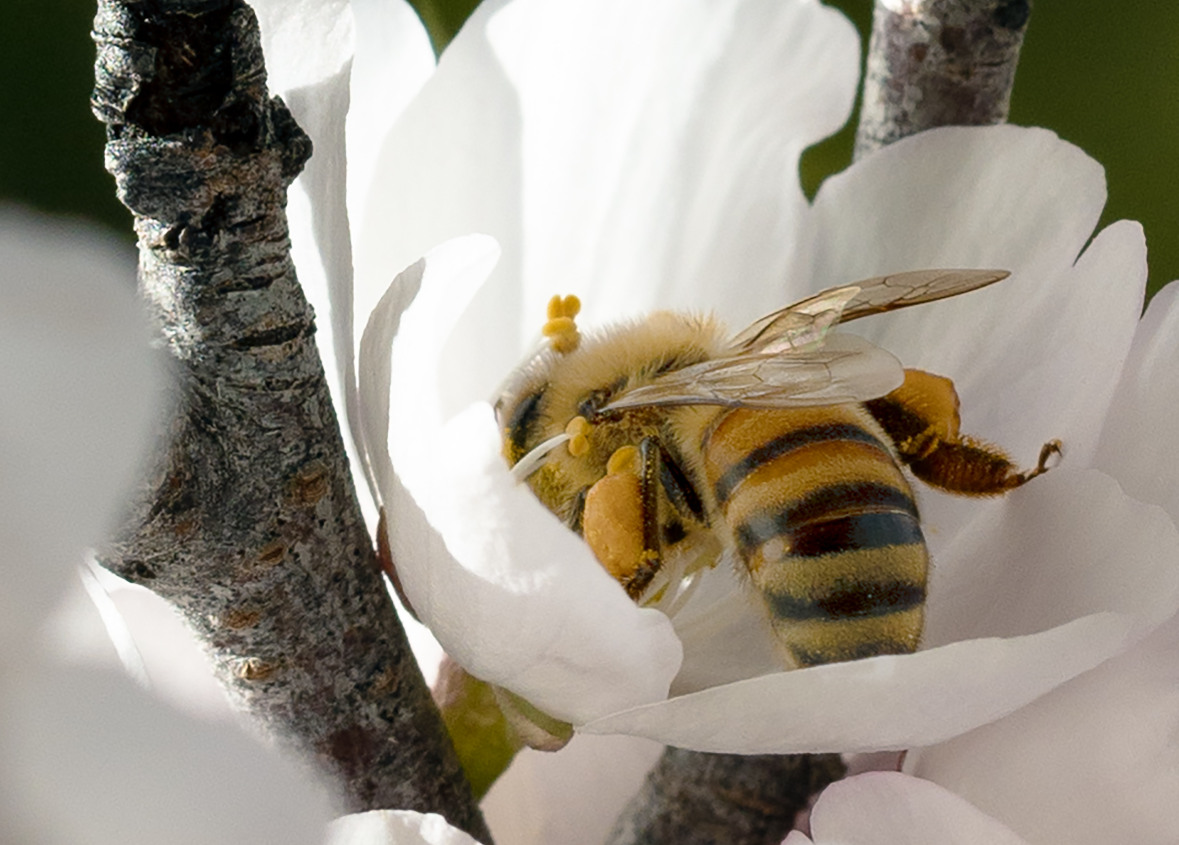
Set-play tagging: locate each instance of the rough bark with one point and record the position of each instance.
(248, 521)
(938, 63)
(692, 798)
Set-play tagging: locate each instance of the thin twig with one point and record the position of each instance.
(938, 63)
(249, 521)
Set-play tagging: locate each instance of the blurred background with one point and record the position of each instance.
(1102, 75)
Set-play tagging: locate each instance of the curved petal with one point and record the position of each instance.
(395, 827)
(1134, 447)
(878, 703)
(393, 61)
(304, 41)
(883, 808)
(1007, 197)
(1010, 198)
(1095, 761)
(88, 757)
(309, 50)
(567, 136)
(79, 389)
(1032, 613)
(1034, 357)
(508, 591)
(1038, 558)
(591, 780)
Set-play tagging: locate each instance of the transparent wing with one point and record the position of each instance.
(799, 326)
(900, 290)
(846, 369)
(804, 324)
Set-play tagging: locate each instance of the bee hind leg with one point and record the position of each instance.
(620, 519)
(921, 417)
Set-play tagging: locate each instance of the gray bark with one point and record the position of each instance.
(692, 798)
(938, 63)
(248, 521)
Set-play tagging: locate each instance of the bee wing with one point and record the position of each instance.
(804, 324)
(900, 290)
(846, 369)
(799, 326)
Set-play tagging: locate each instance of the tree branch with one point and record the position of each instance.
(692, 798)
(938, 63)
(249, 521)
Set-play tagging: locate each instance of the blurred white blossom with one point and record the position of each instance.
(85, 755)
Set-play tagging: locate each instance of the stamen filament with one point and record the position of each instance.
(532, 461)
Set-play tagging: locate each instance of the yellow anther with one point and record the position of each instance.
(578, 430)
(557, 326)
(561, 328)
(624, 459)
(564, 306)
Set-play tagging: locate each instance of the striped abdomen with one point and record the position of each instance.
(826, 525)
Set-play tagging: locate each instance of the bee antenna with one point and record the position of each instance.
(561, 328)
(532, 461)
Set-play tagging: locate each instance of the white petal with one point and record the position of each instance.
(885, 808)
(317, 216)
(1039, 558)
(508, 591)
(179, 670)
(572, 797)
(1136, 447)
(1042, 598)
(88, 757)
(310, 46)
(78, 390)
(304, 41)
(395, 827)
(1094, 762)
(1006, 197)
(877, 703)
(614, 150)
(393, 61)
(1035, 356)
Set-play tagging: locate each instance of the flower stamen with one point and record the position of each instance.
(532, 461)
(561, 328)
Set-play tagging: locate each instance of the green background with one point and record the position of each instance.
(1102, 75)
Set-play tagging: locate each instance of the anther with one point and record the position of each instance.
(561, 328)
(578, 430)
(624, 459)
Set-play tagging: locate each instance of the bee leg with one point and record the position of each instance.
(651, 559)
(620, 517)
(921, 417)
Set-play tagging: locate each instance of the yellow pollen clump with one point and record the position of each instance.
(624, 459)
(613, 524)
(578, 430)
(561, 328)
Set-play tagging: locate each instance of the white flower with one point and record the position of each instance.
(395, 827)
(882, 808)
(654, 164)
(86, 756)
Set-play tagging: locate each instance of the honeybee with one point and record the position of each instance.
(670, 446)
